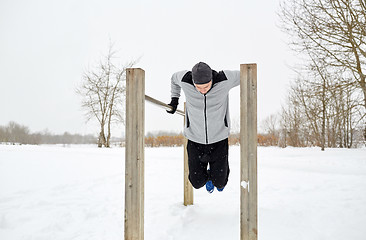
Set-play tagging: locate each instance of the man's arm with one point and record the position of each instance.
(175, 90)
(233, 76)
(175, 87)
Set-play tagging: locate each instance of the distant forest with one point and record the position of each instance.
(15, 133)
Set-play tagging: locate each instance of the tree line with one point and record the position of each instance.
(326, 104)
(165, 139)
(14, 133)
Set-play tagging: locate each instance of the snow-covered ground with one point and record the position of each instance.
(77, 192)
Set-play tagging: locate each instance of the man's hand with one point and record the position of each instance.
(174, 104)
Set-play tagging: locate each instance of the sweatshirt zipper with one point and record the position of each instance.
(206, 120)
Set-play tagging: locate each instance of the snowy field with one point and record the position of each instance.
(76, 193)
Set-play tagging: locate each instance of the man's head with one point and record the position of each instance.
(202, 77)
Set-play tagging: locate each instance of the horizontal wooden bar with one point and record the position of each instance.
(163, 105)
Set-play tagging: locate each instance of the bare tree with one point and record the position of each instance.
(321, 110)
(102, 91)
(270, 126)
(312, 91)
(284, 127)
(292, 123)
(332, 30)
(3, 137)
(17, 133)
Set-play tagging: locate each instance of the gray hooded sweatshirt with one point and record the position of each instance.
(207, 115)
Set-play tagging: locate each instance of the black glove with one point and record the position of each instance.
(174, 103)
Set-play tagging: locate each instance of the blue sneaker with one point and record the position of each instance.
(209, 186)
(220, 189)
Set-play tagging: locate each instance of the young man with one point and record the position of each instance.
(207, 122)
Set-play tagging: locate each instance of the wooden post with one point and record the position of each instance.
(134, 154)
(248, 152)
(188, 189)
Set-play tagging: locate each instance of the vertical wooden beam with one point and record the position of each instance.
(248, 152)
(188, 189)
(134, 155)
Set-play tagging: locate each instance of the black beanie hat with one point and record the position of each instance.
(201, 73)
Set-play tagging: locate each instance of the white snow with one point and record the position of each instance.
(77, 192)
(245, 184)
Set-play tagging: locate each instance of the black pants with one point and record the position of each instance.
(214, 156)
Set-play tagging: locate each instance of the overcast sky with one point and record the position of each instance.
(45, 45)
